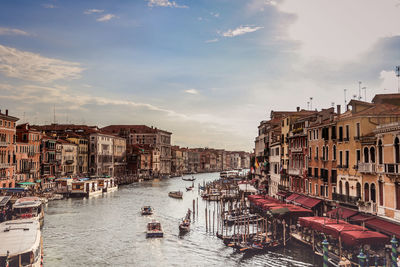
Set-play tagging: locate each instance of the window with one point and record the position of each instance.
(366, 155)
(316, 153)
(323, 153)
(334, 152)
(380, 193)
(373, 193)
(310, 152)
(380, 152)
(333, 132)
(372, 154)
(366, 192)
(397, 150)
(358, 190)
(340, 158)
(347, 158)
(340, 133)
(358, 130)
(316, 189)
(326, 153)
(340, 187)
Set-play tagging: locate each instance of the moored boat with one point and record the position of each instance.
(21, 243)
(175, 194)
(147, 210)
(29, 207)
(154, 229)
(107, 185)
(189, 179)
(189, 188)
(184, 226)
(86, 188)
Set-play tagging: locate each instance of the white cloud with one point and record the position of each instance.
(49, 6)
(259, 5)
(34, 67)
(341, 30)
(192, 91)
(389, 81)
(10, 31)
(214, 14)
(241, 30)
(106, 17)
(212, 40)
(164, 3)
(91, 11)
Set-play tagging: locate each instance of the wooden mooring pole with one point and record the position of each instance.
(206, 219)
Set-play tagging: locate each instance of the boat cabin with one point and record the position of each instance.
(29, 207)
(107, 184)
(85, 188)
(20, 243)
(63, 185)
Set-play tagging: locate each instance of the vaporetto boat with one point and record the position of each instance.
(29, 207)
(21, 243)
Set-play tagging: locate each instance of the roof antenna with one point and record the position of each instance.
(359, 91)
(345, 102)
(398, 78)
(311, 102)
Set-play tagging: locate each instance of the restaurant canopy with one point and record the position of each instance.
(343, 213)
(291, 210)
(292, 197)
(384, 227)
(335, 229)
(357, 238)
(306, 202)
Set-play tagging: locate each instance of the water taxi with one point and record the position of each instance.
(175, 194)
(107, 185)
(29, 207)
(87, 188)
(154, 229)
(147, 210)
(21, 243)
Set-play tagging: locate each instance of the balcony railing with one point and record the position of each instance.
(369, 207)
(345, 198)
(294, 171)
(392, 168)
(4, 143)
(296, 149)
(4, 165)
(366, 167)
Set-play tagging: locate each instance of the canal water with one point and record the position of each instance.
(109, 231)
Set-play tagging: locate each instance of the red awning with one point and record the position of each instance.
(252, 197)
(343, 213)
(360, 218)
(311, 203)
(300, 200)
(282, 194)
(384, 227)
(357, 238)
(335, 229)
(319, 225)
(292, 197)
(268, 206)
(306, 221)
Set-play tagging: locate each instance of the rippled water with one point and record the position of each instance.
(109, 230)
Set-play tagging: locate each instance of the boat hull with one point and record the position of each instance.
(153, 234)
(110, 189)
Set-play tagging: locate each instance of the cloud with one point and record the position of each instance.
(91, 11)
(340, 30)
(34, 67)
(216, 15)
(212, 40)
(164, 3)
(10, 31)
(49, 6)
(241, 30)
(106, 17)
(389, 82)
(259, 5)
(192, 91)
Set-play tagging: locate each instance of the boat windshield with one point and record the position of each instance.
(25, 258)
(27, 212)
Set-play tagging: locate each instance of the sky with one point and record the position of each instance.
(206, 70)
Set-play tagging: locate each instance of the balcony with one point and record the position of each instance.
(366, 167)
(2, 144)
(345, 199)
(69, 161)
(368, 207)
(296, 149)
(294, 171)
(4, 165)
(392, 169)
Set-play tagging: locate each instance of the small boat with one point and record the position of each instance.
(189, 188)
(184, 226)
(147, 210)
(189, 179)
(21, 243)
(154, 229)
(175, 194)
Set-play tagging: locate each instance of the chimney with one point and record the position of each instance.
(338, 109)
(6, 112)
(298, 109)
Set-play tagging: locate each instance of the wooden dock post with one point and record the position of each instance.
(213, 219)
(209, 219)
(194, 210)
(206, 219)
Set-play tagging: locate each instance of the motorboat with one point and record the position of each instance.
(154, 229)
(29, 207)
(147, 210)
(21, 243)
(176, 194)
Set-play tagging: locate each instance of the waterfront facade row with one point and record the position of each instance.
(348, 158)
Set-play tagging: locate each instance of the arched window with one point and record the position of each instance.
(380, 152)
(366, 155)
(372, 154)
(373, 193)
(358, 187)
(323, 152)
(347, 189)
(366, 192)
(327, 153)
(396, 150)
(334, 153)
(340, 188)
